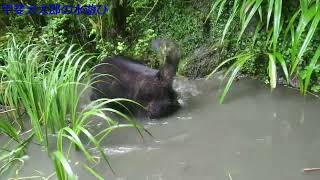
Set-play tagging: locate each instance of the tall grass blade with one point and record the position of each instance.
(230, 19)
(237, 67)
(291, 23)
(276, 23)
(9, 130)
(310, 34)
(248, 19)
(213, 8)
(220, 9)
(225, 62)
(305, 18)
(97, 145)
(280, 58)
(310, 69)
(228, 85)
(93, 172)
(256, 33)
(246, 6)
(304, 5)
(270, 8)
(272, 71)
(74, 138)
(62, 167)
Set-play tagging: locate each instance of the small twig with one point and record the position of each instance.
(2, 112)
(150, 10)
(29, 177)
(50, 176)
(230, 177)
(26, 132)
(307, 170)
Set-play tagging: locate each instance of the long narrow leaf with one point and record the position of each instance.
(248, 19)
(270, 8)
(230, 19)
(213, 8)
(238, 65)
(310, 69)
(280, 58)
(62, 167)
(310, 34)
(276, 22)
(272, 71)
(228, 85)
(224, 62)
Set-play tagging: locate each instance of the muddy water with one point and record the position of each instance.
(254, 135)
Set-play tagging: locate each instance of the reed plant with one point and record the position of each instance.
(47, 87)
(292, 27)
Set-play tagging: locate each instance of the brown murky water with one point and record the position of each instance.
(254, 135)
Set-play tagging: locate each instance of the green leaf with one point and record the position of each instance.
(93, 172)
(276, 22)
(97, 145)
(270, 8)
(310, 34)
(242, 59)
(220, 9)
(224, 62)
(280, 58)
(310, 69)
(248, 19)
(230, 19)
(9, 130)
(291, 23)
(304, 5)
(228, 85)
(62, 167)
(305, 18)
(256, 33)
(272, 71)
(213, 8)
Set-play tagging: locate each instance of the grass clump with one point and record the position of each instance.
(283, 34)
(47, 87)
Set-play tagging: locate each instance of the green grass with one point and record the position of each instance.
(302, 26)
(46, 88)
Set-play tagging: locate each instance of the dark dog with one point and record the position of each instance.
(133, 80)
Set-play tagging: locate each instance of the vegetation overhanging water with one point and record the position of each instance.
(274, 41)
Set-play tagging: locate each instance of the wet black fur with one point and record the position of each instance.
(134, 80)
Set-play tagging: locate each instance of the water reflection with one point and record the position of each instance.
(254, 135)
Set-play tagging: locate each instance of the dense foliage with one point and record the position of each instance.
(281, 33)
(47, 88)
(264, 39)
